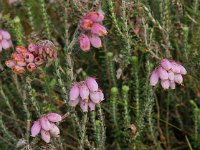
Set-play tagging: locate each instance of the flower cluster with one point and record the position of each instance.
(30, 58)
(86, 93)
(46, 126)
(169, 72)
(5, 40)
(91, 30)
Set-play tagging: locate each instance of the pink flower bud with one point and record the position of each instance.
(178, 78)
(31, 67)
(92, 84)
(95, 97)
(21, 63)
(86, 24)
(33, 48)
(22, 50)
(5, 34)
(54, 117)
(165, 84)
(54, 131)
(5, 44)
(84, 106)
(95, 16)
(45, 136)
(99, 29)
(182, 70)
(18, 69)
(162, 73)
(10, 63)
(38, 61)
(171, 75)
(45, 123)
(175, 67)
(73, 103)
(91, 106)
(95, 41)
(172, 85)
(74, 92)
(84, 92)
(29, 58)
(154, 78)
(0, 47)
(84, 43)
(35, 129)
(166, 64)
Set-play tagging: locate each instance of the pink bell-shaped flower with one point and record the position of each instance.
(99, 29)
(154, 78)
(84, 43)
(166, 64)
(54, 131)
(162, 73)
(95, 41)
(84, 91)
(54, 117)
(35, 129)
(45, 136)
(165, 84)
(73, 103)
(74, 92)
(45, 123)
(92, 84)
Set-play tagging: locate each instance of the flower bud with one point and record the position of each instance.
(5, 35)
(165, 84)
(29, 58)
(38, 61)
(54, 131)
(175, 67)
(178, 78)
(73, 103)
(5, 44)
(74, 92)
(45, 136)
(10, 63)
(31, 67)
(99, 29)
(54, 117)
(86, 24)
(35, 129)
(84, 106)
(171, 75)
(154, 78)
(95, 16)
(84, 92)
(95, 97)
(95, 41)
(18, 69)
(84, 43)
(162, 73)
(92, 84)
(21, 50)
(91, 106)
(172, 85)
(182, 70)
(45, 123)
(166, 64)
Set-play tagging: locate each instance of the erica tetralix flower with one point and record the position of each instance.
(46, 126)
(86, 93)
(5, 40)
(30, 59)
(91, 30)
(169, 73)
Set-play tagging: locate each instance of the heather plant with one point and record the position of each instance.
(101, 74)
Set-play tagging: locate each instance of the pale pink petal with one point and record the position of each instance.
(95, 41)
(154, 78)
(92, 84)
(54, 131)
(45, 136)
(45, 123)
(10, 63)
(175, 67)
(91, 106)
(54, 117)
(74, 92)
(171, 75)
(5, 44)
(99, 29)
(166, 64)
(84, 43)
(182, 70)
(172, 85)
(84, 91)
(165, 84)
(162, 73)
(5, 34)
(95, 97)
(84, 106)
(35, 129)
(73, 103)
(178, 78)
